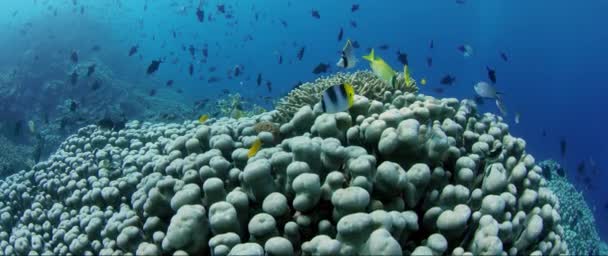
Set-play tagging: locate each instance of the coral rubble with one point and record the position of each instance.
(577, 217)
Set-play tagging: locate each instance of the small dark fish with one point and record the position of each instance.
(191, 50)
(355, 44)
(212, 69)
(152, 92)
(105, 123)
(38, 148)
(562, 147)
(438, 90)
(383, 47)
(259, 79)
(447, 80)
(74, 78)
(460, 1)
(191, 69)
(491, 74)
(280, 59)
(315, 14)
(340, 34)
(96, 85)
(213, 79)
(169, 83)
(353, 24)
(96, 48)
(133, 50)
(82, 10)
(429, 61)
(432, 44)
(174, 34)
(580, 168)
(321, 68)
(205, 51)
(301, 53)
(91, 70)
(269, 86)
(504, 57)
(179, 90)
(402, 57)
(237, 70)
(544, 133)
(221, 8)
(17, 128)
(225, 91)
(73, 105)
(200, 15)
(153, 67)
(354, 8)
(284, 23)
(74, 57)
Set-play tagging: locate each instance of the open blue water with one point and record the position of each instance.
(555, 77)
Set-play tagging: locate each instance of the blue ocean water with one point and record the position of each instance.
(554, 76)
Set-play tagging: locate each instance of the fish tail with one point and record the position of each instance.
(406, 74)
(370, 56)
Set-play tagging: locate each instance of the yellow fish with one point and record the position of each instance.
(406, 74)
(423, 81)
(203, 118)
(254, 148)
(381, 68)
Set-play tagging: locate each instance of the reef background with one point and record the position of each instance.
(554, 77)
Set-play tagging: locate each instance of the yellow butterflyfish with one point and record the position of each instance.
(254, 148)
(203, 118)
(423, 81)
(381, 68)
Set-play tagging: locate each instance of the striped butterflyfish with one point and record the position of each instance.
(347, 58)
(338, 98)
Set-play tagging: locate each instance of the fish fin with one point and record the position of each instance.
(350, 94)
(406, 74)
(370, 57)
(254, 148)
(347, 46)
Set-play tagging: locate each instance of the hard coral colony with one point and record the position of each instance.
(399, 173)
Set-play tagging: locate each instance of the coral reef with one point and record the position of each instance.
(365, 83)
(234, 106)
(577, 218)
(47, 98)
(13, 157)
(410, 174)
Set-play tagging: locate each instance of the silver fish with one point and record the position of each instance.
(501, 106)
(485, 90)
(347, 58)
